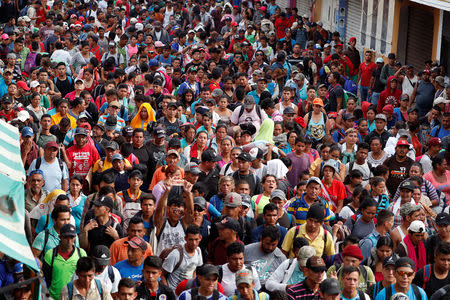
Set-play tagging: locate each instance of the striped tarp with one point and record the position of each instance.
(13, 241)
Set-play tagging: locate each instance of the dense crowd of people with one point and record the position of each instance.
(205, 150)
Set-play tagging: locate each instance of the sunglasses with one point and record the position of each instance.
(198, 209)
(318, 269)
(403, 273)
(177, 211)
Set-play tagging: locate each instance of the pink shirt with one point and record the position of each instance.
(442, 187)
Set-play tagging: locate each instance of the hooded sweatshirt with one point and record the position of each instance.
(389, 96)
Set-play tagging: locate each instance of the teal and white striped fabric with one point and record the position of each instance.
(13, 241)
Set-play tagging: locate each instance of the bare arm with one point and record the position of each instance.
(413, 95)
(159, 213)
(189, 212)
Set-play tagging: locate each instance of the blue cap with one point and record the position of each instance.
(27, 132)
(153, 63)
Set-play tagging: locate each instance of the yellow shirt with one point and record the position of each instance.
(106, 165)
(317, 243)
(56, 118)
(314, 166)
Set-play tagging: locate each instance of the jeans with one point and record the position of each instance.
(375, 97)
(364, 91)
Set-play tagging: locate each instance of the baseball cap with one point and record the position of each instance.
(101, 255)
(115, 103)
(110, 123)
(316, 211)
(407, 184)
(249, 102)
(153, 63)
(112, 145)
(23, 115)
(200, 201)
(27, 131)
(136, 173)
(127, 131)
(379, 60)
(104, 201)
(416, 226)
(172, 104)
(434, 141)
(228, 223)
(402, 142)
(22, 84)
(352, 39)
(68, 230)
(390, 261)
(381, 117)
(208, 270)
(339, 45)
(405, 262)
(116, 156)
(391, 56)
(317, 101)
(210, 155)
(81, 131)
(51, 144)
(443, 219)
(348, 116)
(174, 143)
(330, 163)
(4, 36)
(159, 132)
(304, 253)
(316, 264)
(217, 93)
(192, 167)
(246, 200)
(174, 152)
(137, 243)
(256, 153)
(233, 199)
(288, 110)
(388, 108)
(278, 194)
(7, 99)
(330, 286)
(244, 276)
(313, 179)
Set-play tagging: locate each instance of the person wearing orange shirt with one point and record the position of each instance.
(172, 158)
(120, 247)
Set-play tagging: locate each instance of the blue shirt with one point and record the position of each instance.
(382, 294)
(442, 132)
(128, 271)
(186, 295)
(257, 232)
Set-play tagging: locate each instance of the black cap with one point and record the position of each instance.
(228, 223)
(68, 230)
(316, 211)
(390, 261)
(112, 145)
(172, 104)
(111, 123)
(174, 143)
(200, 201)
(288, 110)
(208, 270)
(127, 131)
(104, 201)
(245, 156)
(7, 99)
(159, 132)
(405, 262)
(210, 155)
(391, 55)
(101, 255)
(136, 173)
(407, 184)
(443, 219)
(330, 286)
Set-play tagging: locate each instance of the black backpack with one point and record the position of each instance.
(39, 162)
(215, 296)
(258, 111)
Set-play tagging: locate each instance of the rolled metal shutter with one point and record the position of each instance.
(353, 23)
(283, 4)
(420, 37)
(304, 7)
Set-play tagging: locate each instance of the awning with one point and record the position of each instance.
(439, 4)
(13, 241)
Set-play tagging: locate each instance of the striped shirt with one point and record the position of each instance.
(299, 208)
(302, 291)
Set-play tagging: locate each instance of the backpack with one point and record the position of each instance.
(55, 80)
(39, 161)
(30, 62)
(167, 251)
(215, 296)
(49, 271)
(350, 86)
(437, 130)
(416, 291)
(426, 275)
(97, 283)
(324, 116)
(258, 111)
(325, 233)
(111, 274)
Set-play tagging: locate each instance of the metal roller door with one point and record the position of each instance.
(353, 23)
(420, 36)
(304, 7)
(283, 4)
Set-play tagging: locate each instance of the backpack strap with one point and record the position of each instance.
(262, 296)
(258, 111)
(99, 287)
(194, 293)
(388, 292)
(258, 199)
(38, 163)
(189, 284)
(426, 275)
(361, 295)
(180, 250)
(416, 291)
(46, 235)
(364, 273)
(325, 236)
(70, 290)
(111, 274)
(241, 112)
(215, 295)
(220, 273)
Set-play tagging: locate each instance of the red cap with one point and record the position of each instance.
(300, 121)
(434, 141)
(81, 19)
(234, 24)
(85, 125)
(353, 251)
(23, 84)
(389, 109)
(236, 6)
(402, 142)
(332, 114)
(119, 2)
(352, 39)
(263, 8)
(51, 144)
(338, 45)
(427, 71)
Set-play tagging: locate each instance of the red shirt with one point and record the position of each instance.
(366, 73)
(9, 116)
(336, 192)
(82, 159)
(281, 25)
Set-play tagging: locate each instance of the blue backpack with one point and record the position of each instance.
(97, 283)
(350, 86)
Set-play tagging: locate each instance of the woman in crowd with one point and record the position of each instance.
(144, 116)
(194, 152)
(439, 176)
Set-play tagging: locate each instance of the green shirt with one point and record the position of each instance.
(362, 285)
(62, 271)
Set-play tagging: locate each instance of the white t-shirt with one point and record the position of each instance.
(171, 236)
(113, 287)
(364, 168)
(186, 268)
(229, 280)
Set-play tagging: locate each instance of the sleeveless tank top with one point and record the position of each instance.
(283, 107)
(316, 129)
(170, 236)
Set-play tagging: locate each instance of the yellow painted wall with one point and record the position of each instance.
(317, 10)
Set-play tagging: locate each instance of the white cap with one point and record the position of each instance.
(440, 100)
(139, 26)
(379, 60)
(416, 226)
(23, 115)
(294, 25)
(133, 21)
(34, 84)
(26, 19)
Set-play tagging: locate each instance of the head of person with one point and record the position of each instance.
(245, 284)
(103, 206)
(269, 239)
(36, 180)
(67, 235)
(385, 247)
(443, 224)
(350, 278)
(402, 148)
(175, 209)
(269, 183)
(137, 247)
(192, 238)
(235, 255)
(60, 216)
(152, 269)
(313, 188)
(406, 190)
(244, 162)
(127, 289)
(416, 232)
(278, 198)
(191, 172)
(352, 256)
(404, 272)
(315, 217)
(209, 158)
(303, 254)
(270, 214)
(368, 208)
(208, 275)
(385, 218)
(232, 204)
(101, 257)
(442, 256)
(315, 269)
(226, 185)
(330, 289)
(85, 271)
(228, 229)
(136, 227)
(380, 122)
